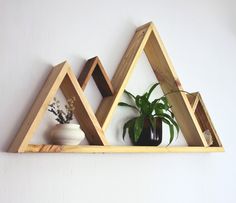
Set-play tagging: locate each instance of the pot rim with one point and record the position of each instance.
(70, 125)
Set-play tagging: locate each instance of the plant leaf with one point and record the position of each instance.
(145, 95)
(151, 90)
(171, 113)
(128, 105)
(138, 127)
(138, 101)
(144, 105)
(128, 125)
(129, 94)
(171, 120)
(171, 128)
(165, 102)
(153, 123)
(159, 107)
(131, 131)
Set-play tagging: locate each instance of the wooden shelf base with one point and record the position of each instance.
(118, 149)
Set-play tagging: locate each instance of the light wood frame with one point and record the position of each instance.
(119, 149)
(147, 39)
(203, 117)
(60, 77)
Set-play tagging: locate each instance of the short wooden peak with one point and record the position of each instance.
(93, 67)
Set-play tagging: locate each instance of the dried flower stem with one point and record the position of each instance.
(62, 116)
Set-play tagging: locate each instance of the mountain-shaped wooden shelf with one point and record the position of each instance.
(189, 110)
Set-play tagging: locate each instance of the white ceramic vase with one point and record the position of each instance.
(67, 134)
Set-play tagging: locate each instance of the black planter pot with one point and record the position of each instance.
(149, 136)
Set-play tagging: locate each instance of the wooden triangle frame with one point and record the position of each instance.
(147, 39)
(93, 67)
(60, 77)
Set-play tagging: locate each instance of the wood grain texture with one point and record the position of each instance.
(122, 75)
(205, 121)
(119, 149)
(169, 82)
(60, 76)
(193, 99)
(94, 68)
(146, 38)
(38, 108)
(83, 111)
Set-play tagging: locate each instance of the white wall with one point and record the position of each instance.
(200, 37)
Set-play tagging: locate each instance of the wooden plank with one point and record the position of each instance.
(169, 82)
(83, 111)
(38, 108)
(193, 100)
(119, 149)
(94, 68)
(205, 122)
(122, 75)
(86, 72)
(102, 80)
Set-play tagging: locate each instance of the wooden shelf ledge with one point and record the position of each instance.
(119, 149)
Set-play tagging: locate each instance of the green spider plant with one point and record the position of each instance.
(148, 110)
